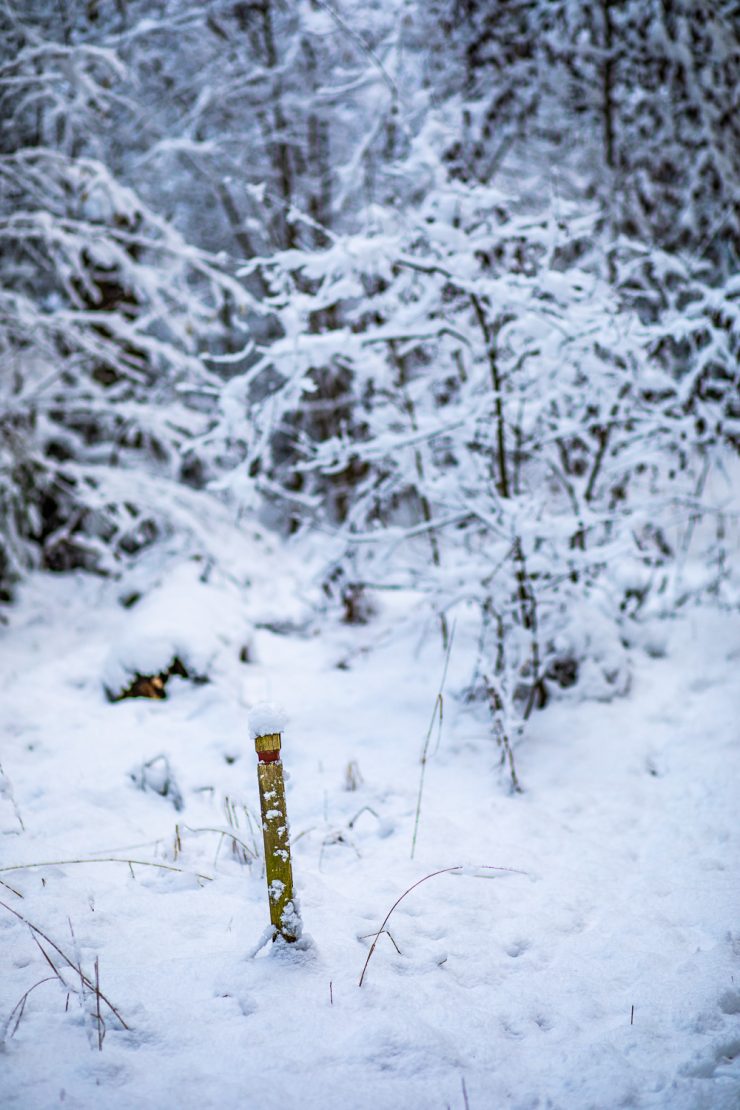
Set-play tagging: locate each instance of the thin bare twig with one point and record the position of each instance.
(368, 50)
(497, 706)
(528, 612)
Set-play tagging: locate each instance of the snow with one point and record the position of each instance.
(433, 382)
(181, 617)
(598, 973)
(266, 719)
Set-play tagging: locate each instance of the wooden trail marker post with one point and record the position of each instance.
(283, 909)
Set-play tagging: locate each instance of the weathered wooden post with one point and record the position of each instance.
(266, 728)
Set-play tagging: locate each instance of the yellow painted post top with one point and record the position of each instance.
(269, 743)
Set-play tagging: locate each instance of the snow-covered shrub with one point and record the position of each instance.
(104, 312)
(497, 440)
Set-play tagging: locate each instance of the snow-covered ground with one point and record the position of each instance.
(605, 975)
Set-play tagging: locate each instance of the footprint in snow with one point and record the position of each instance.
(729, 1003)
(244, 1002)
(518, 948)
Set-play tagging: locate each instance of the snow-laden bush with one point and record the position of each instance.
(104, 312)
(481, 414)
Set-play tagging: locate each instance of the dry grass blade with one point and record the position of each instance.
(106, 859)
(86, 982)
(98, 1016)
(388, 934)
(443, 871)
(249, 852)
(382, 929)
(48, 958)
(437, 714)
(365, 809)
(11, 888)
(20, 1006)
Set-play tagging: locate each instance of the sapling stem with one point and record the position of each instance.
(437, 714)
(283, 910)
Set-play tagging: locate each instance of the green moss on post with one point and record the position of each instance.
(275, 832)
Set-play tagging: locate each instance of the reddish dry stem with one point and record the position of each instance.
(432, 875)
(85, 981)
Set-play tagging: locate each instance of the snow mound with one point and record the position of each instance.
(265, 719)
(156, 775)
(183, 617)
(587, 660)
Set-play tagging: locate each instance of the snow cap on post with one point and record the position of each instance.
(266, 723)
